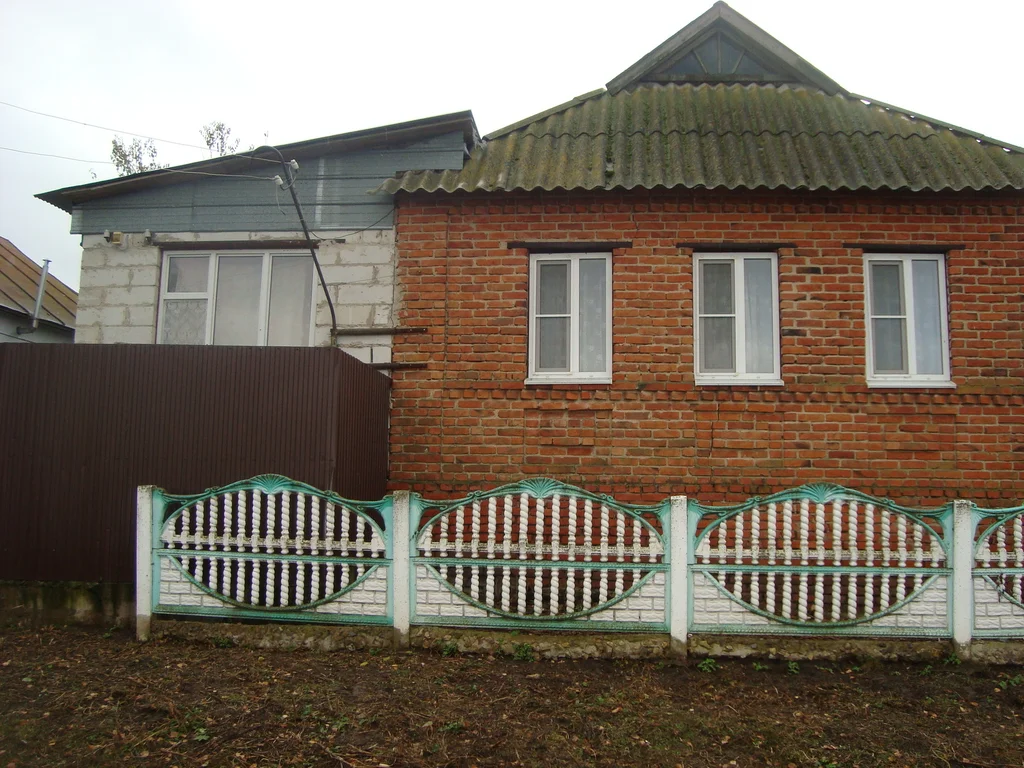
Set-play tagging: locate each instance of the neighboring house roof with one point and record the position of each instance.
(386, 135)
(19, 284)
(722, 104)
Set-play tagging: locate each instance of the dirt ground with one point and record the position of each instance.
(84, 697)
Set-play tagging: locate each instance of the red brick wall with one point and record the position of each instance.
(468, 421)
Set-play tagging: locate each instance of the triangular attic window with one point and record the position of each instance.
(721, 46)
(718, 55)
(717, 58)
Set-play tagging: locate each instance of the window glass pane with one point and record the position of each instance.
(237, 308)
(291, 281)
(708, 53)
(749, 66)
(686, 66)
(553, 288)
(927, 320)
(184, 321)
(593, 315)
(730, 56)
(716, 288)
(187, 274)
(553, 344)
(889, 341)
(717, 341)
(886, 291)
(759, 325)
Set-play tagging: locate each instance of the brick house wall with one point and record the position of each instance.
(468, 421)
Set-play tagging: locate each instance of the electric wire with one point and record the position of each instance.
(286, 171)
(61, 157)
(349, 233)
(115, 130)
(165, 170)
(223, 175)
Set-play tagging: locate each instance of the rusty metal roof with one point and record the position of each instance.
(19, 283)
(732, 137)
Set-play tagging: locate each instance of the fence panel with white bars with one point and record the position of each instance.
(538, 554)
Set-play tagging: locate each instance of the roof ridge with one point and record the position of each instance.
(565, 105)
(868, 101)
(745, 132)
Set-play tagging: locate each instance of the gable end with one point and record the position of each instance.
(721, 46)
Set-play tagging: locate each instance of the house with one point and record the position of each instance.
(723, 275)
(213, 252)
(19, 290)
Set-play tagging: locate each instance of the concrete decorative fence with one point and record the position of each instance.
(266, 548)
(821, 559)
(818, 560)
(543, 554)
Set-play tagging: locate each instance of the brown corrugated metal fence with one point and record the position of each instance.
(81, 426)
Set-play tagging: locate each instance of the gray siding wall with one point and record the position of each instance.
(333, 190)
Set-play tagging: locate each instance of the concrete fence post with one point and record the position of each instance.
(143, 561)
(962, 592)
(679, 574)
(401, 562)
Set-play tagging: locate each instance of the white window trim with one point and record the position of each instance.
(573, 375)
(210, 294)
(740, 377)
(907, 380)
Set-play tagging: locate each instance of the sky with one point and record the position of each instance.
(283, 72)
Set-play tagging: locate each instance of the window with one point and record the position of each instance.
(570, 318)
(736, 318)
(907, 342)
(239, 298)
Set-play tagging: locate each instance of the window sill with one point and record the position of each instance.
(911, 384)
(703, 381)
(534, 381)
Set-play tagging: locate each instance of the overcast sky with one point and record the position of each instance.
(298, 70)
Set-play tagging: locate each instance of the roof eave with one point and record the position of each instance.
(67, 197)
(57, 325)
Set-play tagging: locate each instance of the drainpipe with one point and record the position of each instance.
(39, 299)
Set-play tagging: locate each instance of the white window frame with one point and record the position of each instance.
(573, 375)
(210, 294)
(912, 378)
(739, 377)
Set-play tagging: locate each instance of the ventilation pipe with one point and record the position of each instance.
(39, 299)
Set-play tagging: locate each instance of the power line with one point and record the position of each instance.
(347, 233)
(224, 175)
(62, 157)
(165, 170)
(115, 130)
(101, 127)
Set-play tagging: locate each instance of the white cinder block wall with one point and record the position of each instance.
(119, 295)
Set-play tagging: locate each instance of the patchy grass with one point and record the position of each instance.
(76, 697)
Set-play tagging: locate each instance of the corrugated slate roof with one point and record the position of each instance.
(728, 136)
(19, 282)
